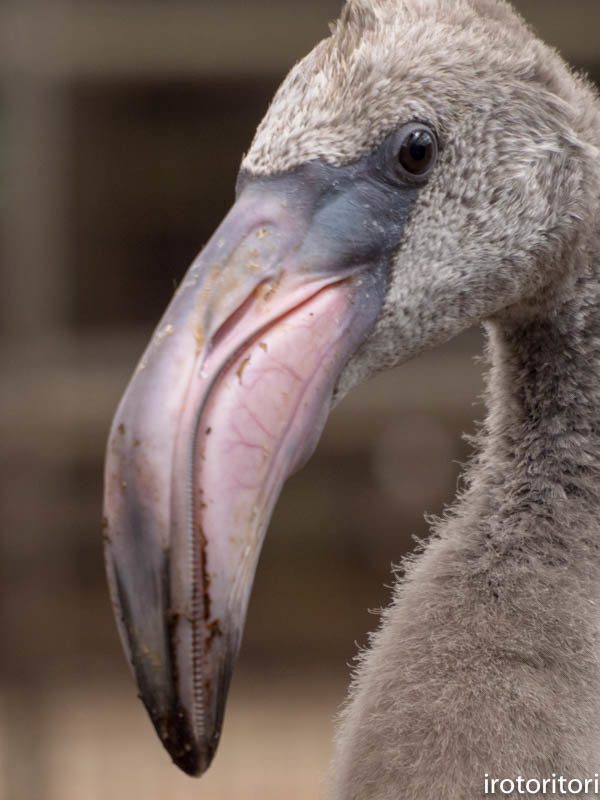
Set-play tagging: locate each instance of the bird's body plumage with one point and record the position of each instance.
(487, 662)
(488, 659)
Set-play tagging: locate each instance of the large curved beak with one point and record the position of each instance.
(229, 399)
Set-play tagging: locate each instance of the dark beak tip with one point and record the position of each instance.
(173, 728)
(192, 759)
(191, 763)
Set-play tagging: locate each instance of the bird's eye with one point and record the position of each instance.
(417, 151)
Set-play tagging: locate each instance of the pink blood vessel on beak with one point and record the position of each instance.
(228, 400)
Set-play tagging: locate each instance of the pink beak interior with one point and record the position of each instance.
(229, 399)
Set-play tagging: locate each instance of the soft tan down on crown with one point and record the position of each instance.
(372, 73)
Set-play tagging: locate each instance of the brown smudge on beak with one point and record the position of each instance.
(242, 366)
(249, 350)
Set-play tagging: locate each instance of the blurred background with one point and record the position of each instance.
(122, 125)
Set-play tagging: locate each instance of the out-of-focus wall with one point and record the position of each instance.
(122, 126)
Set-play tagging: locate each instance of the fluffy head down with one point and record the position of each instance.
(519, 166)
(388, 61)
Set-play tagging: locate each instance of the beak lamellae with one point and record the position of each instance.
(229, 398)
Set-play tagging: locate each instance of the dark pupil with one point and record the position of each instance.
(416, 152)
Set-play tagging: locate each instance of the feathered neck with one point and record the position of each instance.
(537, 476)
(488, 658)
